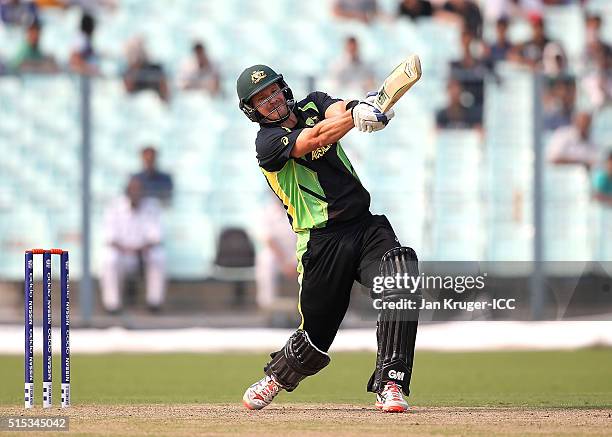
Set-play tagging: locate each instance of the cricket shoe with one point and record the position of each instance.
(261, 393)
(391, 400)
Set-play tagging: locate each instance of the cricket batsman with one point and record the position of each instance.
(339, 240)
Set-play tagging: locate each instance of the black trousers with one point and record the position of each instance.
(330, 259)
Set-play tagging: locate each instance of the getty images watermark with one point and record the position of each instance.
(444, 283)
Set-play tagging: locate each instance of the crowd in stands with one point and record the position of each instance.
(570, 142)
(572, 97)
(568, 122)
(198, 72)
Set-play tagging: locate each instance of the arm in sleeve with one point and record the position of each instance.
(274, 146)
(323, 101)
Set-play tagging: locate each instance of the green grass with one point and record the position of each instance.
(581, 378)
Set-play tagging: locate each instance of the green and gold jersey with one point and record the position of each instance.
(319, 188)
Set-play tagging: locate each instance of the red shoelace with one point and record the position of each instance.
(268, 391)
(392, 390)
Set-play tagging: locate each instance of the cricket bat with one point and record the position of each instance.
(398, 82)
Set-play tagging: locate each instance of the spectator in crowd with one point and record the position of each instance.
(501, 48)
(133, 238)
(30, 58)
(155, 183)
(531, 52)
(594, 42)
(20, 13)
(143, 74)
(465, 13)
(83, 58)
(572, 144)
(415, 9)
(199, 73)
(597, 85)
(351, 74)
(554, 61)
(361, 10)
(456, 115)
(602, 182)
(276, 258)
(559, 96)
(559, 101)
(470, 71)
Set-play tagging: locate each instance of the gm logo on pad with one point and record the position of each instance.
(393, 374)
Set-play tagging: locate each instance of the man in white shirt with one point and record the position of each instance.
(350, 73)
(199, 72)
(133, 236)
(572, 144)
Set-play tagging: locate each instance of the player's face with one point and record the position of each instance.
(270, 102)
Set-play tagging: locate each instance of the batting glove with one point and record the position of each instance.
(371, 98)
(367, 118)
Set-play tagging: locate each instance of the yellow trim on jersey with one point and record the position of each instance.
(272, 177)
(301, 247)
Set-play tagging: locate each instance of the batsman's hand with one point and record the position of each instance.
(368, 118)
(371, 98)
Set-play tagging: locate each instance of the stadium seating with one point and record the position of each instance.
(566, 213)
(451, 196)
(509, 165)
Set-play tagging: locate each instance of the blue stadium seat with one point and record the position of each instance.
(602, 237)
(190, 245)
(566, 213)
(23, 227)
(457, 212)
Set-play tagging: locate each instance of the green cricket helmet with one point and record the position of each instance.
(254, 79)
